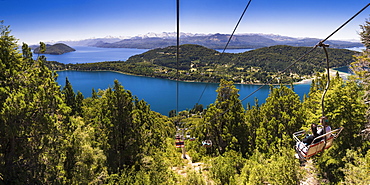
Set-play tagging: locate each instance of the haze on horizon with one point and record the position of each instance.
(43, 20)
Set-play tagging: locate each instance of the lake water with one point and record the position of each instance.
(359, 49)
(344, 69)
(233, 50)
(161, 93)
(84, 54)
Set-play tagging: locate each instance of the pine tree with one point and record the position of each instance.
(357, 168)
(226, 119)
(84, 161)
(253, 120)
(30, 118)
(120, 106)
(365, 34)
(125, 128)
(79, 102)
(361, 66)
(69, 96)
(280, 117)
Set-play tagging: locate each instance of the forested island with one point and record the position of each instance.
(201, 64)
(55, 49)
(52, 135)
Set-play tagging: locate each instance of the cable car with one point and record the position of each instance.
(207, 143)
(325, 140)
(180, 144)
(188, 135)
(318, 144)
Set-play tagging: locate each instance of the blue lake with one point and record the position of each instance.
(84, 54)
(161, 93)
(233, 50)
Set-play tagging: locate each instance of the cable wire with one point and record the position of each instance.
(227, 44)
(349, 20)
(321, 44)
(177, 53)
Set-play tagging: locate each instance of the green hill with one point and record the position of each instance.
(198, 63)
(56, 49)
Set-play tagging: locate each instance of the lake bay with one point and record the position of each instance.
(85, 54)
(161, 93)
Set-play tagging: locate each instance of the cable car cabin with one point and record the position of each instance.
(207, 143)
(319, 143)
(188, 135)
(179, 144)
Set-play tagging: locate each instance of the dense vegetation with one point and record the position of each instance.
(56, 49)
(198, 63)
(50, 135)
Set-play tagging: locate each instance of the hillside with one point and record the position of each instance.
(218, 41)
(56, 49)
(198, 63)
(51, 135)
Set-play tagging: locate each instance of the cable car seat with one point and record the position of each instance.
(319, 144)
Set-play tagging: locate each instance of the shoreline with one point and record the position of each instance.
(305, 81)
(332, 73)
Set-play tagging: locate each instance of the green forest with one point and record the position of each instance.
(52, 135)
(201, 64)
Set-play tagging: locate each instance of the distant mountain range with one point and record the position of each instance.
(214, 41)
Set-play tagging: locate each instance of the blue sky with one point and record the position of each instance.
(54, 20)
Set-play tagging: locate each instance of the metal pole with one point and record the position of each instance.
(328, 79)
(183, 148)
(177, 55)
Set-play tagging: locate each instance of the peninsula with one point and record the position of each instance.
(200, 64)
